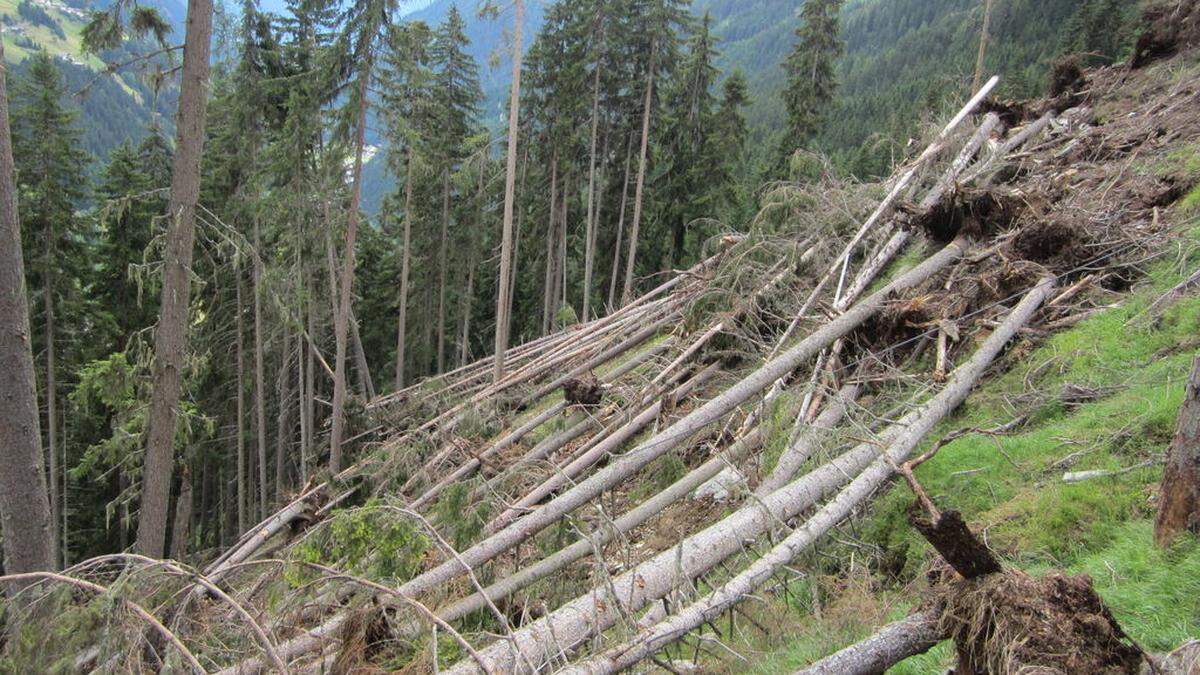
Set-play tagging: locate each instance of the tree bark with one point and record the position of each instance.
(24, 504)
(590, 234)
(983, 40)
(260, 395)
(171, 334)
(442, 246)
(912, 635)
(1179, 497)
(551, 232)
(243, 494)
(51, 391)
(510, 183)
(347, 281)
(616, 266)
(631, 257)
(406, 257)
(283, 394)
(183, 514)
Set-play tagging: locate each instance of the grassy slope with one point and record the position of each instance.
(1014, 493)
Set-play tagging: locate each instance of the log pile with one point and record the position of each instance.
(552, 517)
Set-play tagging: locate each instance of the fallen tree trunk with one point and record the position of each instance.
(682, 430)
(801, 449)
(912, 635)
(520, 432)
(605, 533)
(639, 457)
(906, 437)
(609, 443)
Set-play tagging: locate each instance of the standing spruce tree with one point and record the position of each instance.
(407, 119)
(171, 334)
(456, 101)
(658, 46)
(50, 181)
(24, 504)
(694, 174)
(810, 77)
(363, 37)
(510, 183)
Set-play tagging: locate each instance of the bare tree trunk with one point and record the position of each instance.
(464, 345)
(310, 395)
(631, 257)
(590, 234)
(548, 288)
(183, 514)
(1179, 498)
(912, 635)
(516, 256)
(24, 504)
(406, 257)
(983, 40)
(360, 359)
(562, 242)
(51, 391)
(616, 266)
(442, 245)
(347, 282)
(260, 396)
(510, 181)
(283, 393)
(243, 495)
(171, 334)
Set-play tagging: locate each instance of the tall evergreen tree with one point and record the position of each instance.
(24, 504)
(455, 104)
(50, 180)
(810, 78)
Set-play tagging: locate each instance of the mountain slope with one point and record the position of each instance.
(112, 108)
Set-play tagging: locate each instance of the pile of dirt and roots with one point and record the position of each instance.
(1011, 622)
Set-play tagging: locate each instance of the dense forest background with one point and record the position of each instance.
(646, 125)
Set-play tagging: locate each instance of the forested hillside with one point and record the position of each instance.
(598, 335)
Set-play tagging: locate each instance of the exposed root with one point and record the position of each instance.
(583, 390)
(1010, 622)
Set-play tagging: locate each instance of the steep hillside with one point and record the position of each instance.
(113, 108)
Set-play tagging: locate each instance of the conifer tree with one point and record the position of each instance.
(407, 117)
(456, 101)
(24, 504)
(50, 181)
(810, 77)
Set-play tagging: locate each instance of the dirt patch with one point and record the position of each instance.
(583, 390)
(1011, 622)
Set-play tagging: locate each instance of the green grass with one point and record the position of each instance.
(1010, 487)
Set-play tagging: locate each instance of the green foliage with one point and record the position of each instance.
(374, 541)
(810, 74)
(462, 519)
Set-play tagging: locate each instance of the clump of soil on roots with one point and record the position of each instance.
(971, 212)
(583, 390)
(1168, 26)
(1010, 622)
